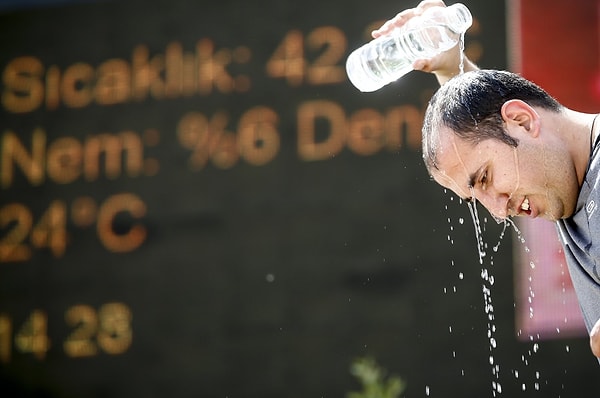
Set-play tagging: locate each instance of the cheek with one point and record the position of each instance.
(509, 174)
(540, 170)
(526, 167)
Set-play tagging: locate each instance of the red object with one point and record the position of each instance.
(556, 44)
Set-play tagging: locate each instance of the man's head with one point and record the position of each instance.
(487, 135)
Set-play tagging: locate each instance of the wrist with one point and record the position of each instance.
(443, 75)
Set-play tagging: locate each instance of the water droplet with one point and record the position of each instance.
(270, 278)
(461, 63)
(460, 275)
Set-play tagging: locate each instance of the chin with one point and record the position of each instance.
(553, 215)
(561, 217)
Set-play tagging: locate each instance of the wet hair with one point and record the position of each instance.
(470, 105)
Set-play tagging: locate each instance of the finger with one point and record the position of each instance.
(396, 22)
(595, 339)
(430, 3)
(404, 16)
(419, 64)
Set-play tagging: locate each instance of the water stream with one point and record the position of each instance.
(533, 380)
(488, 280)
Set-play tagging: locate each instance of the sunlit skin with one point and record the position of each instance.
(595, 339)
(543, 173)
(546, 168)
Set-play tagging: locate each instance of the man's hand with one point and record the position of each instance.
(595, 339)
(402, 17)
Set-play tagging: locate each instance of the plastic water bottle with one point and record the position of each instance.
(389, 57)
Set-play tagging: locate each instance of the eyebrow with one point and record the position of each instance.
(472, 180)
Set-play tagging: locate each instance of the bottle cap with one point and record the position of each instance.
(460, 19)
(360, 77)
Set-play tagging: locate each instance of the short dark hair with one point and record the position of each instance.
(470, 105)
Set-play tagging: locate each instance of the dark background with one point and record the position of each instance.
(267, 281)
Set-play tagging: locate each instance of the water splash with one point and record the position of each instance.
(488, 283)
(525, 376)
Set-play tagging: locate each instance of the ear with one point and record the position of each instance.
(517, 113)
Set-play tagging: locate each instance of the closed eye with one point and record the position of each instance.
(483, 180)
(478, 179)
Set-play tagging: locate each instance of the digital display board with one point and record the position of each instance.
(194, 201)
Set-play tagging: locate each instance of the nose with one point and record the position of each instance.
(496, 203)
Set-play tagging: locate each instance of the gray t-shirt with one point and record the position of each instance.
(580, 235)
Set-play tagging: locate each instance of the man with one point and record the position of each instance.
(494, 137)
